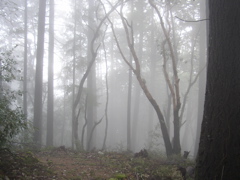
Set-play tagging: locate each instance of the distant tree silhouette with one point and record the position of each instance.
(37, 121)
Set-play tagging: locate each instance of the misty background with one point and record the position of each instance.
(113, 112)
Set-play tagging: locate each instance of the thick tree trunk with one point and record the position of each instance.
(219, 150)
(37, 120)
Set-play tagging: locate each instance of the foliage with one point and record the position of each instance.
(22, 165)
(12, 120)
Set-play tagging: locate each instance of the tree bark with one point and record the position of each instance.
(219, 150)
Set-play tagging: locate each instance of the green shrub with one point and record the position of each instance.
(12, 120)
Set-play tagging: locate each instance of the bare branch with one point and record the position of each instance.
(174, 66)
(166, 74)
(119, 47)
(191, 20)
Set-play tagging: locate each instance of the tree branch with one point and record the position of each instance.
(191, 20)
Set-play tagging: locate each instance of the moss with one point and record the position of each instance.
(120, 176)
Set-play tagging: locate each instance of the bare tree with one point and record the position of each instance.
(137, 71)
(94, 51)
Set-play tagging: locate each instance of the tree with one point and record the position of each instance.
(218, 155)
(107, 100)
(202, 77)
(129, 102)
(25, 59)
(136, 68)
(91, 79)
(37, 120)
(94, 51)
(137, 92)
(74, 124)
(174, 88)
(50, 104)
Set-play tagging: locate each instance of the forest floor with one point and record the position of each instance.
(63, 164)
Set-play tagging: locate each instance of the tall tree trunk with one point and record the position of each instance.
(93, 54)
(137, 97)
(129, 108)
(107, 99)
(129, 101)
(37, 120)
(152, 82)
(202, 76)
(50, 104)
(74, 119)
(91, 80)
(25, 79)
(137, 72)
(218, 154)
(174, 89)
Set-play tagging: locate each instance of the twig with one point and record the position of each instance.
(191, 20)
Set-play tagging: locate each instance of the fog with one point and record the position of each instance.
(141, 60)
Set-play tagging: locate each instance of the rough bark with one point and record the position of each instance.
(219, 150)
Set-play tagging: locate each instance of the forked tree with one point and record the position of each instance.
(173, 147)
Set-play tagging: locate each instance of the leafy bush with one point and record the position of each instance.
(12, 120)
